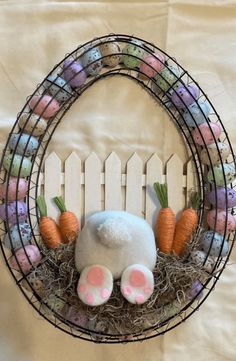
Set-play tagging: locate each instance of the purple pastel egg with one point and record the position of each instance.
(15, 188)
(14, 212)
(73, 73)
(78, 318)
(183, 96)
(217, 197)
(26, 263)
(195, 291)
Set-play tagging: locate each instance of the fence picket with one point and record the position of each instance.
(134, 172)
(92, 192)
(154, 169)
(72, 184)
(174, 177)
(191, 179)
(113, 200)
(52, 182)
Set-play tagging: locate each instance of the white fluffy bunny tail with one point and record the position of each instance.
(114, 232)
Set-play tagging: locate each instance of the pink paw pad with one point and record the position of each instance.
(137, 284)
(95, 285)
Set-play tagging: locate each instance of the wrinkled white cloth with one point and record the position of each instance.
(117, 115)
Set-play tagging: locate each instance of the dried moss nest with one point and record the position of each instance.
(173, 277)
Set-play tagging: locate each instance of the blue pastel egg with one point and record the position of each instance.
(17, 165)
(58, 88)
(212, 243)
(196, 114)
(23, 144)
(92, 61)
(19, 237)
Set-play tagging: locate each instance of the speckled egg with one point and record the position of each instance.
(58, 88)
(196, 113)
(199, 257)
(55, 303)
(222, 197)
(33, 283)
(212, 243)
(76, 317)
(23, 144)
(19, 237)
(110, 52)
(73, 73)
(17, 167)
(133, 53)
(26, 263)
(166, 78)
(172, 309)
(152, 64)
(14, 212)
(206, 132)
(196, 291)
(219, 216)
(44, 105)
(185, 95)
(217, 153)
(32, 124)
(14, 189)
(93, 57)
(227, 171)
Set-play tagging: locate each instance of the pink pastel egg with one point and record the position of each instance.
(11, 192)
(44, 106)
(218, 216)
(153, 64)
(24, 265)
(205, 132)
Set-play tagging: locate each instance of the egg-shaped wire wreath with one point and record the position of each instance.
(207, 141)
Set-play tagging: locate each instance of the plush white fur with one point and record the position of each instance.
(116, 240)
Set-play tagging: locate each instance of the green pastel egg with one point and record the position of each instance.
(227, 171)
(133, 54)
(172, 309)
(55, 303)
(20, 167)
(167, 77)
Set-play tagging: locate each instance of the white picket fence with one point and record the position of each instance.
(93, 190)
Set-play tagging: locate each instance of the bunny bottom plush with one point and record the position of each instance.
(115, 245)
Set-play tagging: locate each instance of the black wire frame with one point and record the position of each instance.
(162, 98)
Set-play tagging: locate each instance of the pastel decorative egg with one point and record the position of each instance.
(15, 189)
(26, 263)
(58, 88)
(73, 73)
(216, 153)
(216, 219)
(166, 78)
(32, 124)
(76, 317)
(19, 237)
(212, 243)
(33, 282)
(201, 260)
(23, 144)
(196, 113)
(221, 175)
(133, 53)
(44, 105)
(206, 133)
(92, 61)
(185, 95)
(14, 212)
(152, 64)
(110, 53)
(17, 165)
(55, 303)
(196, 291)
(222, 197)
(172, 309)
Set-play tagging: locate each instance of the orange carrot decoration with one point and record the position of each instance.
(165, 225)
(48, 228)
(186, 226)
(68, 222)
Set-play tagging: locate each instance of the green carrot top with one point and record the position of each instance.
(162, 193)
(42, 206)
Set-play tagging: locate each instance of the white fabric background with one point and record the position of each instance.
(117, 115)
